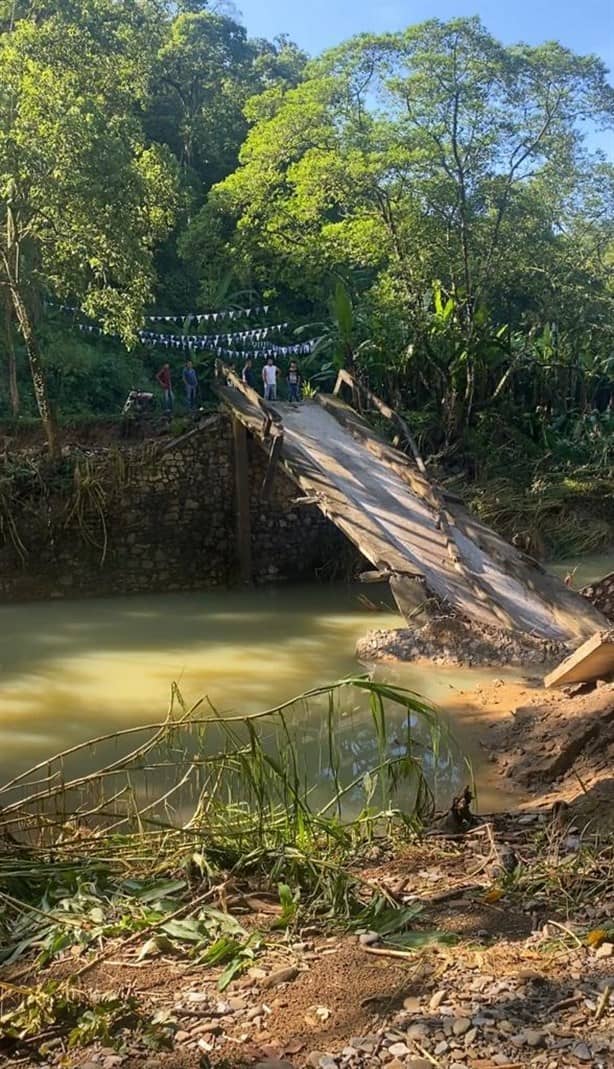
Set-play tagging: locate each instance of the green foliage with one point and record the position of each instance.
(444, 177)
(88, 197)
(58, 1007)
(423, 202)
(105, 863)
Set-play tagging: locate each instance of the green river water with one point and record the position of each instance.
(70, 670)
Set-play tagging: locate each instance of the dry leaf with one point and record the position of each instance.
(493, 895)
(596, 937)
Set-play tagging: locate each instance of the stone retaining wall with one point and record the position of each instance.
(149, 518)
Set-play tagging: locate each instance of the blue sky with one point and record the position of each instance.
(583, 25)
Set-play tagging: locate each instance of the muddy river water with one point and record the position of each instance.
(70, 670)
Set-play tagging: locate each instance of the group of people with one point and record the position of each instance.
(190, 384)
(271, 374)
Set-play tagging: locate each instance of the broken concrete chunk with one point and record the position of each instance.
(594, 659)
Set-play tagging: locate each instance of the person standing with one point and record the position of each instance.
(269, 378)
(165, 381)
(294, 383)
(190, 381)
(247, 375)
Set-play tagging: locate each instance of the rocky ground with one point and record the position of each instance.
(510, 963)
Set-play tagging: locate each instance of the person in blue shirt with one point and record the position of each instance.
(190, 381)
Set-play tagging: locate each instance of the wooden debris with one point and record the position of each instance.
(594, 659)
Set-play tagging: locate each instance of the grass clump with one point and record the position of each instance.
(157, 851)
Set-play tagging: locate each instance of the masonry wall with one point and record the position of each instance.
(149, 518)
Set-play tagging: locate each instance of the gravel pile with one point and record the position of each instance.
(452, 641)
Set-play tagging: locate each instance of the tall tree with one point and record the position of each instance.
(414, 156)
(83, 199)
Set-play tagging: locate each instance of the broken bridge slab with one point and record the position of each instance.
(593, 660)
(405, 525)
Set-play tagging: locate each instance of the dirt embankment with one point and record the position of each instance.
(556, 745)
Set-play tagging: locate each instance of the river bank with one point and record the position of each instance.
(238, 934)
(490, 951)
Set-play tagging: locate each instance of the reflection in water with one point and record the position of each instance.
(73, 670)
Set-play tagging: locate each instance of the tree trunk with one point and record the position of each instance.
(39, 381)
(10, 359)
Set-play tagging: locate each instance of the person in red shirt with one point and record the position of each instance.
(164, 378)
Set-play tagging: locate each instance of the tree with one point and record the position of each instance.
(207, 68)
(83, 198)
(418, 158)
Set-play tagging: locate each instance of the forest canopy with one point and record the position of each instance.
(424, 203)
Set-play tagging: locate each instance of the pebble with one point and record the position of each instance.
(441, 1048)
(237, 1004)
(533, 1038)
(461, 1025)
(256, 1011)
(313, 1059)
(436, 1000)
(419, 1063)
(412, 1005)
(582, 1052)
(606, 950)
(280, 976)
(182, 1036)
(417, 1031)
(367, 939)
(470, 1036)
(399, 1050)
(364, 1043)
(209, 1028)
(394, 1063)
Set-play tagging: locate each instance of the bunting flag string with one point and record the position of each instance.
(187, 317)
(209, 317)
(215, 343)
(257, 334)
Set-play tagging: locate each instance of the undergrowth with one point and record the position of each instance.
(157, 852)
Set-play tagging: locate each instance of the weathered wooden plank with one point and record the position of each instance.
(594, 659)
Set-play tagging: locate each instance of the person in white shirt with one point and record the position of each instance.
(269, 378)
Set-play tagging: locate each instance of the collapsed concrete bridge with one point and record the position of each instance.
(416, 535)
